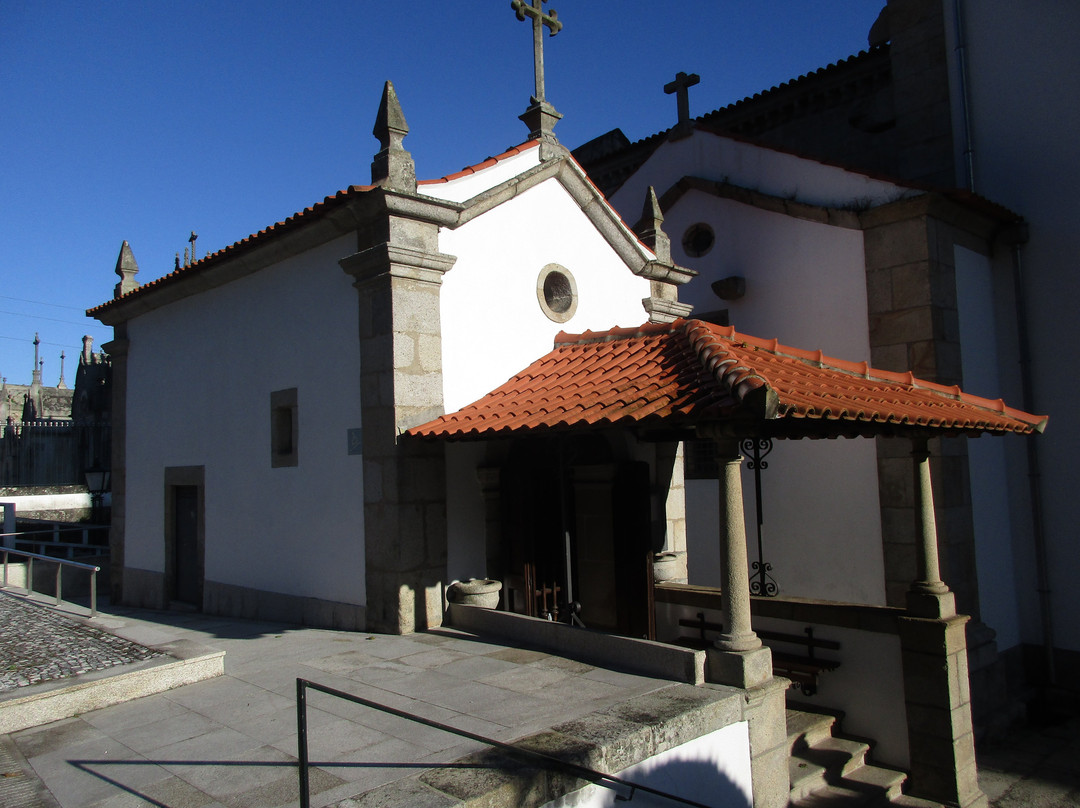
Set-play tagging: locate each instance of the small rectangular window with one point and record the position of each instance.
(283, 428)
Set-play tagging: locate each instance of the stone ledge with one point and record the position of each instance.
(650, 658)
(187, 662)
(609, 741)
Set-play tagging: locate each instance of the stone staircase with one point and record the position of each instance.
(828, 771)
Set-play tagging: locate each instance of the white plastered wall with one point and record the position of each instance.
(758, 168)
(492, 323)
(200, 373)
(806, 287)
(711, 770)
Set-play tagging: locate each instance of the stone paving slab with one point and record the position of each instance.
(232, 740)
(1034, 766)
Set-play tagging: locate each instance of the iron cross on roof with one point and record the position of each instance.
(535, 10)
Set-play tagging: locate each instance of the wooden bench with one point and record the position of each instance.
(801, 668)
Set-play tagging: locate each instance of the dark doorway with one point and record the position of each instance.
(184, 536)
(187, 583)
(576, 527)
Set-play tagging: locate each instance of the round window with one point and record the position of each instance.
(556, 292)
(698, 240)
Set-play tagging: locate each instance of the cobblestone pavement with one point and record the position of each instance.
(38, 644)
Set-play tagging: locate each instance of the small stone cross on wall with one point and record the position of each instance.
(535, 11)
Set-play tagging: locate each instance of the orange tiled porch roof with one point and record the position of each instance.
(691, 373)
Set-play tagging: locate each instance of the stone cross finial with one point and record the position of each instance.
(681, 88)
(127, 269)
(393, 166)
(60, 384)
(541, 116)
(535, 11)
(193, 238)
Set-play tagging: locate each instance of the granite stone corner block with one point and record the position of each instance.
(897, 243)
(896, 483)
(616, 743)
(879, 295)
(489, 779)
(418, 390)
(911, 285)
(429, 352)
(426, 476)
(923, 359)
(892, 357)
(411, 792)
(404, 353)
(373, 487)
(896, 528)
(937, 720)
(769, 778)
(902, 327)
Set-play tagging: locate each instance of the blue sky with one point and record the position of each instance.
(147, 120)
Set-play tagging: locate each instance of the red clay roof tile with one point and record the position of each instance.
(488, 163)
(690, 372)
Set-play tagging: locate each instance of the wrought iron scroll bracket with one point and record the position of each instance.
(761, 581)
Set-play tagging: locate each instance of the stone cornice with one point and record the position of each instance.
(637, 257)
(975, 215)
(665, 311)
(398, 262)
(365, 208)
(837, 217)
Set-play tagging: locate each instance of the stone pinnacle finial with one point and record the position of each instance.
(649, 228)
(393, 166)
(127, 269)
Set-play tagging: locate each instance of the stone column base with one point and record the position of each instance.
(743, 669)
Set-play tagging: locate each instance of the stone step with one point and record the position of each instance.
(839, 796)
(839, 756)
(906, 801)
(805, 778)
(889, 782)
(805, 729)
(826, 770)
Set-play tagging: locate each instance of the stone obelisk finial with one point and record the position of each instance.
(127, 269)
(649, 228)
(393, 166)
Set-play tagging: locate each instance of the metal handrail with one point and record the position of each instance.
(60, 564)
(84, 531)
(545, 761)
